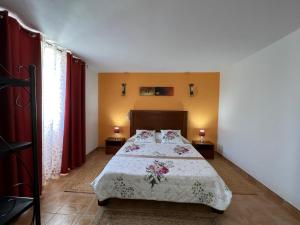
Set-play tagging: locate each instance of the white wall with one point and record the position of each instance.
(259, 118)
(91, 108)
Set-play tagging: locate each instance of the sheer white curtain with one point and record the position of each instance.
(53, 102)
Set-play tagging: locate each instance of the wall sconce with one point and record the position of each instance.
(191, 89)
(123, 89)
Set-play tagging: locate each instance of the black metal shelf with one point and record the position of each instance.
(6, 81)
(11, 147)
(11, 207)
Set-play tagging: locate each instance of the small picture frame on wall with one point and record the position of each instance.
(147, 91)
(156, 91)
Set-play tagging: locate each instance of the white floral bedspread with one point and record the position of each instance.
(163, 172)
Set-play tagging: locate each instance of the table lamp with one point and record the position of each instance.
(116, 131)
(202, 135)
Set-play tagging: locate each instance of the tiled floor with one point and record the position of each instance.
(68, 208)
(257, 208)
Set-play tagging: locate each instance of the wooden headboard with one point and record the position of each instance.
(158, 120)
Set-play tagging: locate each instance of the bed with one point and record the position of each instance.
(161, 172)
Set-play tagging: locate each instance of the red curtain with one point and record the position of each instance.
(18, 47)
(74, 131)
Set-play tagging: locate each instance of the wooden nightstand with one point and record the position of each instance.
(206, 149)
(113, 144)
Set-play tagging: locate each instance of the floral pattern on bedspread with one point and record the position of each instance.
(121, 187)
(156, 172)
(179, 149)
(132, 147)
(201, 191)
(176, 180)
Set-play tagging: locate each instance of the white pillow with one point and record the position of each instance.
(145, 136)
(158, 138)
(171, 137)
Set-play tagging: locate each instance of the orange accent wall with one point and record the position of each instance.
(202, 108)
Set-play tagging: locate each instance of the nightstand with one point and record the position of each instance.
(206, 149)
(113, 144)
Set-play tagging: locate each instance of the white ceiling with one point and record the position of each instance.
(160, 35)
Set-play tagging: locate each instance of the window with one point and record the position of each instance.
(53, 100)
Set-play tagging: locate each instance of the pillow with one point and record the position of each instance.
(171, 137)
(145, 136)
(158, 138)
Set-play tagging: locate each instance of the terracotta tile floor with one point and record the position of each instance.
(66, 208)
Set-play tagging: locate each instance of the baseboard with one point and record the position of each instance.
(96, 149)
(264, 188)
(101, 148)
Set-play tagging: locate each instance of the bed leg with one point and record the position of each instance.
(103, 203)
(217, 211)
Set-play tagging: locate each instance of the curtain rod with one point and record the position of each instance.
(59, 48)
(52, 43)
(13, 15)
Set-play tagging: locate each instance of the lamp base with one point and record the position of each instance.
(117, 135)
(202, 139)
